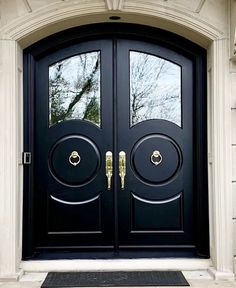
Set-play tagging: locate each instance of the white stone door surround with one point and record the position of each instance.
(60, 15)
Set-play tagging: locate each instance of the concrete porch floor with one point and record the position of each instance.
(197, 279)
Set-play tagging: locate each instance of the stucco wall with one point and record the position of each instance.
(210, 23)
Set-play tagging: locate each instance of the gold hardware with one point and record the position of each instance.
(122, 168)
(109, 168)
(156, 157)
(74, 158)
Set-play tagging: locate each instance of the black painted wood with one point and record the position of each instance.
(156, 217)
(187, 216)
(61, 224)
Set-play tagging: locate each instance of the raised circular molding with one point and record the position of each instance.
(156, 159)
(70, 170)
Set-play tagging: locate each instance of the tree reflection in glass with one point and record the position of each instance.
(155, 89)
(74, 89)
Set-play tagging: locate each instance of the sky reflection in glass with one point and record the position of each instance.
(155, 89)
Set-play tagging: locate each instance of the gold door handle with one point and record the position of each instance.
(122, 168)
(109, 168)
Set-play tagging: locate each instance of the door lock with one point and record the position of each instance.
(27, 158)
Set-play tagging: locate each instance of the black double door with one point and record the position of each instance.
(113, 148)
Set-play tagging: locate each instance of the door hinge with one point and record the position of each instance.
(26, 158)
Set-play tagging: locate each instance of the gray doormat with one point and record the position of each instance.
(111, 279)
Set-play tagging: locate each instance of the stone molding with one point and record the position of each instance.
(114, 4)
(116, 265)
(51, 14)
(10, 193)
(221, 213)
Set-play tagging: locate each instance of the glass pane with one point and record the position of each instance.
(74, 89)
(155, 89)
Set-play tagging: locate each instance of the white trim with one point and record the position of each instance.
(114, 4)
(10, 172)
(174, 17)
(218, 275)
(200, 5)
(27, 6)
(116, 265)
(221, 195)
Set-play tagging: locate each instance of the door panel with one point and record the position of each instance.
(156, 206)
(73, 133)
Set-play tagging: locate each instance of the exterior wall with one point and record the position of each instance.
(233, 106)
(210, 23)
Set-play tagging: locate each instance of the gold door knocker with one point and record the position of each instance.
(156, 157)
(74, 158)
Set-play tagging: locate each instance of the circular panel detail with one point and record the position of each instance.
(168, 161)
(85, 169)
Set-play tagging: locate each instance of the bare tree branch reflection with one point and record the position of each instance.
(154, 89)
(74, 89)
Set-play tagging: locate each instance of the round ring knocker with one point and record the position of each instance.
(156, 157)
(74, 158)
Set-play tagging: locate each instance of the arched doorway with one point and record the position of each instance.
(115, 119)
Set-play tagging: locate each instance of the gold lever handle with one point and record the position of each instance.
(122, 168)
(109, 168)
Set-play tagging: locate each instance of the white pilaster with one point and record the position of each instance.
(221, 196)
(10, 192)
